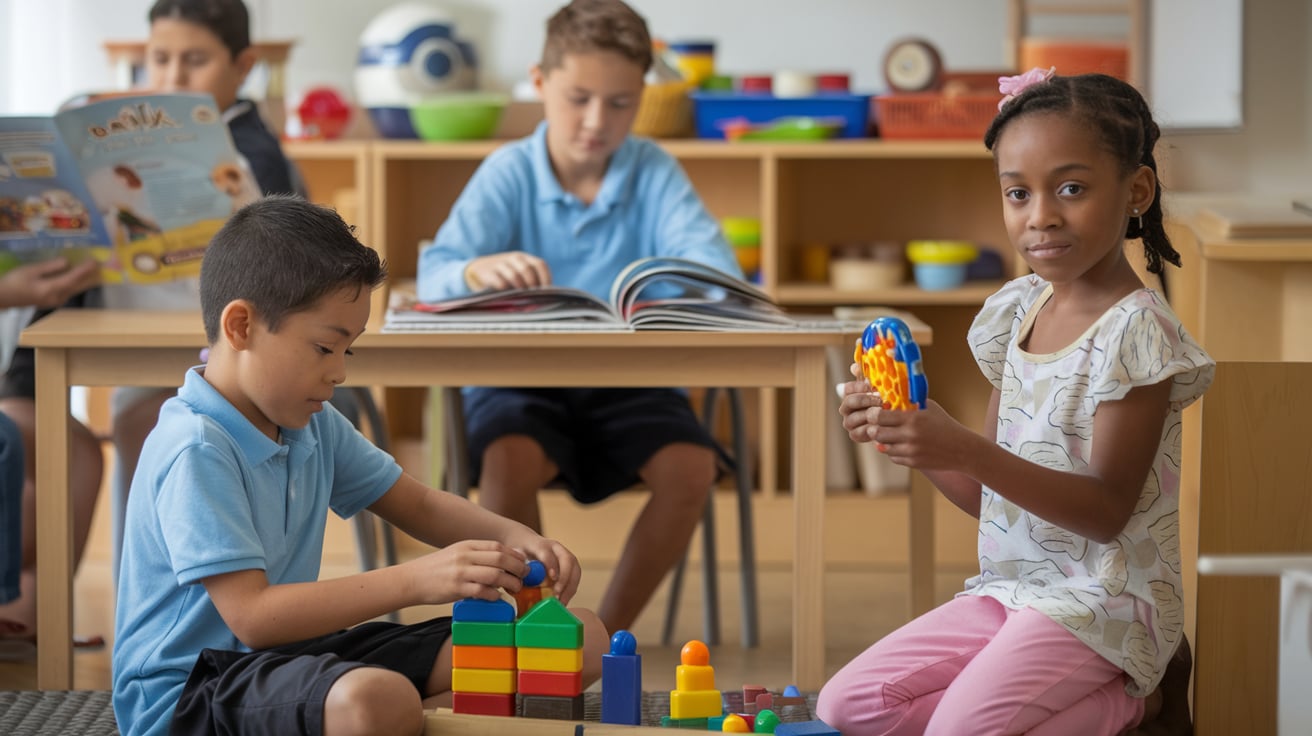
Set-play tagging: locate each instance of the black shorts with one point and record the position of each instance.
(599, 437)
(282, 690)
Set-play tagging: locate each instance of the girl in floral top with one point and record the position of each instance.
(1077, 608)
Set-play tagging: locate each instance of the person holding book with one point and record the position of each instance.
(194, 46)
(24, 289)
(572, 205)
(222, 624)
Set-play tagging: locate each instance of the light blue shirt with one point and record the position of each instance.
(211, 495)
(646, 207)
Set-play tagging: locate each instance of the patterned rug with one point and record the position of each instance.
(89, 712)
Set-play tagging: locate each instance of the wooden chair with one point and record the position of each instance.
(457, 481)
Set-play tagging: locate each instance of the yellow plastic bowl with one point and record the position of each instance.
(942, 252)
(457, 116)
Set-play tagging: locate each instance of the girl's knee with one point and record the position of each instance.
(372, 700)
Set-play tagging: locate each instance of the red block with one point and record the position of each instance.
(565, 684)
(484, 704)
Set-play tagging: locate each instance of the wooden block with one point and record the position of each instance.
(551, 707)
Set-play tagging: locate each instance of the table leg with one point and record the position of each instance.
(809, 417)
(54, 523)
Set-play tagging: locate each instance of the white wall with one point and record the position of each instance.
(1272, 152)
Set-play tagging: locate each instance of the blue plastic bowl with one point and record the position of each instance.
(939, 276)
(393, 122)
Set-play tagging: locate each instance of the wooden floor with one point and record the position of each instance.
(864, 602)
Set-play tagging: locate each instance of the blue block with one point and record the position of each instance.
(477, 609)
(621, 682)
(806, 728)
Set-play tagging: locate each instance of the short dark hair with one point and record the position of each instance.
(227, 19)
(1114, 111)
(282, 254)
(596, 25)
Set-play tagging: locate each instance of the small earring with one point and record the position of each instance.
(1138, 218)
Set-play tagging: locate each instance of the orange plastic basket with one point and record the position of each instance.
(934, 115)
(665, 110)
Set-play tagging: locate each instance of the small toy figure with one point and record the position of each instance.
(621, 681)
(890, 361)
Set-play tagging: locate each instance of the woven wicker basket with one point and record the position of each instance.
(665, 110)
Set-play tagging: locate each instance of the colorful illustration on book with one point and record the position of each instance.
(140, 183)
(890, 361)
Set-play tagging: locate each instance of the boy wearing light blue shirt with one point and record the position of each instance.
(572, 205)
(222, 624)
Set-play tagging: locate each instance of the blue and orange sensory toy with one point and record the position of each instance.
(890, 361)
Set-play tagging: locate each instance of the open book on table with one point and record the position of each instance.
(140, 182)
(649, 294)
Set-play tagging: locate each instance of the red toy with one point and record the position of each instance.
(324, 114)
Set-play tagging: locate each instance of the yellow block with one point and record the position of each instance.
(695, 704)
(467, 680)
(694, 677)
(550, 660)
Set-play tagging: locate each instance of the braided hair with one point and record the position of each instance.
(1122, 120)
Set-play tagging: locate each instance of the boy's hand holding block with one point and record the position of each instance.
(890, 361)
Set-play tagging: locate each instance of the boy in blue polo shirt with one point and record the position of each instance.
(573, 204)
(222, 623)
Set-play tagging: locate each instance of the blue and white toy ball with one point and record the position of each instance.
(407, 52)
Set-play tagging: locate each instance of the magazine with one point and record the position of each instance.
(139, 182)
(657, 293)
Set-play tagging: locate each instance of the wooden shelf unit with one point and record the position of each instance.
(831, 192)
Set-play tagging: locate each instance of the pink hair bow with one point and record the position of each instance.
(1012, 86)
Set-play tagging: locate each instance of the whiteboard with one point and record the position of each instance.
(1195, 69)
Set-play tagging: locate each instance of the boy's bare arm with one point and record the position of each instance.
(262, 615)
(439, 518)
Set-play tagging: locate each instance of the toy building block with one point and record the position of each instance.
(550, 683)
(549, 625)
(690, 724)
(476, 609)
(766, 722)
(750, 693)
(549, 660)
(890, 361)
(482, 634)
(533, 590)
(806, 728)
(694, 694)
(551, 707)
(621, 681)
(484, 704)
(734, 723)
(482, 681)
(482, 658)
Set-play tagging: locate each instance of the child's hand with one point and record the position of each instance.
(513, 270)
(860, 406)
(47, 283)
(473, 568)
(563, 571)
(928, 439)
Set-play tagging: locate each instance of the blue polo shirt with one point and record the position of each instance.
(211, 495)
(646, 207)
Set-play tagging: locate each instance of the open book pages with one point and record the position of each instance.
(650, 294)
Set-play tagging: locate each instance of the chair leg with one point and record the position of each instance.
(672, 603)
(357, 401)
(457, 452)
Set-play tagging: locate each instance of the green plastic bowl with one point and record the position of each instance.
(457, 116)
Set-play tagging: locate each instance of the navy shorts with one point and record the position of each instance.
(599, 437)
(282, 690)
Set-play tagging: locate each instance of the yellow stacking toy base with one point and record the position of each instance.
(694, 694)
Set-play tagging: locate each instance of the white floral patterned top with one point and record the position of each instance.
(1124, 598)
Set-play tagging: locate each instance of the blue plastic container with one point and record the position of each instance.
(939, 276)
(710, 109)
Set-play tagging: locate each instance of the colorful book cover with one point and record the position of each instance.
(138, 182)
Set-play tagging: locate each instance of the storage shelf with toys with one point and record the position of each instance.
(803, 194)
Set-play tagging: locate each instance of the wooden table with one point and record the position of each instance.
(105, 347)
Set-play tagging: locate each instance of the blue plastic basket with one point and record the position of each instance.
(710, 109)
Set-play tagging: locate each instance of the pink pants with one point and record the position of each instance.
(973, 666)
